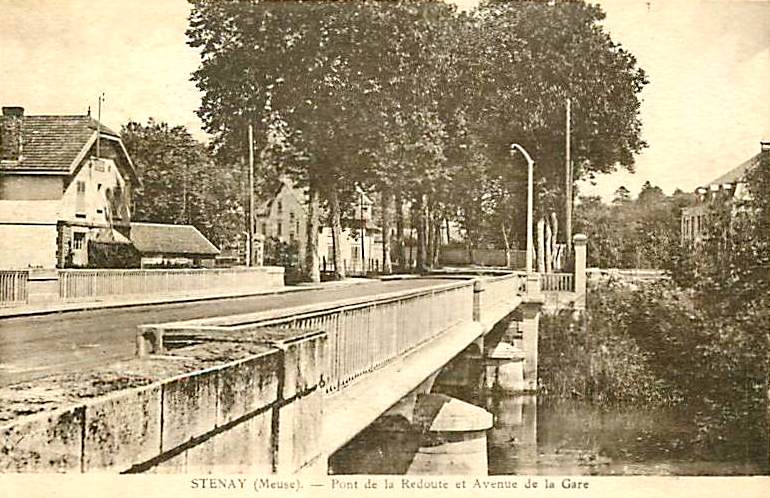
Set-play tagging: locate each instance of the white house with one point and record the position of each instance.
(284, 217)
(59, 190)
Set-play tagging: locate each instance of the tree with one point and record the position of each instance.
(641, 233)
(621, 196)
(433, 108)
(181, 184)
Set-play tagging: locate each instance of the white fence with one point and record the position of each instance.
(498, 290)
(77, 285)
(363, 333)
(564, 282)
(13, 287)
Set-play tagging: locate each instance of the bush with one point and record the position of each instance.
(587, 359)
(655, 344)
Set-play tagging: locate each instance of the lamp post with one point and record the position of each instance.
(530, 167)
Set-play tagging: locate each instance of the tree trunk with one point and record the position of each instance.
(540, 245)
(429, 236)
(387, 202)
(508, 263)
(334, 207)
(436, 241)
(312, 269)
(400, 246)
(469, 239)
(422, 254)
(555, 253)
(548, 253)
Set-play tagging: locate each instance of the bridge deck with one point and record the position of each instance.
(35, 347)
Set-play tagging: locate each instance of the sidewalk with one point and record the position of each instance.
(138, 300)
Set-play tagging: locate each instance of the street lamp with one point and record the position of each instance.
(530, 167)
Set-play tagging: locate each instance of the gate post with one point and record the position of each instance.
(579, 243)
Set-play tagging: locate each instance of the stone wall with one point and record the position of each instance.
(252, 406)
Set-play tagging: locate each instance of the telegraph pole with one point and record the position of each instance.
(250, 231)
(99, 126)
(568, 180)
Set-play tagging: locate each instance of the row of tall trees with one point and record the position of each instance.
(181, 183)
(641, 232)
(418, 103)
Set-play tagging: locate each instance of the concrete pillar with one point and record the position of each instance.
(259, 250)
(579, 243)
(534, 292)
(505, 369)
(43, 286)
(478, 289)
(530, 320)
(455, 437)
(405, 407)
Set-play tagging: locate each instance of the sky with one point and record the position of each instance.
(704, 112)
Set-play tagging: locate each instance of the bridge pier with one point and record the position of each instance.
(454, 437)
(443, 435)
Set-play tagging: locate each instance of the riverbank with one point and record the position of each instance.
(651, 347)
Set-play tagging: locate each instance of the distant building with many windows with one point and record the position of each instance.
(725, 190)
(284, 217)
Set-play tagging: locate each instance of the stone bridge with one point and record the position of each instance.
(281, 391)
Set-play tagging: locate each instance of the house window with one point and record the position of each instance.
(291, 216)
(78, 240)
(279, 229)
(80, 197)
(264, 228)
(280, 207)
(291, 236)
(98, 187)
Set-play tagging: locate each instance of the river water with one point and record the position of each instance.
(544, 436)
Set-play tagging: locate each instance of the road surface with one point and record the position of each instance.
(37, 346)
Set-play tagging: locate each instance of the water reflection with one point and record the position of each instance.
(544, 436)
(538, 435)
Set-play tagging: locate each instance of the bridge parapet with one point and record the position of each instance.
(237, 406)
(364, 333)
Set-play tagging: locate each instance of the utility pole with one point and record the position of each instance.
(530, 202)
(250, 232)
(568, 180)
(99, 126)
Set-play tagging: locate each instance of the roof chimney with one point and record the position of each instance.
(765, 146)
(10, 133)
(13, 111)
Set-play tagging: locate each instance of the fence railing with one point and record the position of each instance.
(626, 274)
(557, 282)
(77, 285)
(363, 334)
(498, 290)
(13, 287)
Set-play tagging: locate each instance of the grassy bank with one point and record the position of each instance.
(654, 346)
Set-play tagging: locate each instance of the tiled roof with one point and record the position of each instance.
(53, 142)
(170, 239)
(736, 173)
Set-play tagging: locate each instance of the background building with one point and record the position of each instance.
(64, 181)
(723, 190)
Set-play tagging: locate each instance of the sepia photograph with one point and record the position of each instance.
(384, 246)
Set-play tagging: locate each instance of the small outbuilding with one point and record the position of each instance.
(163, 245)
